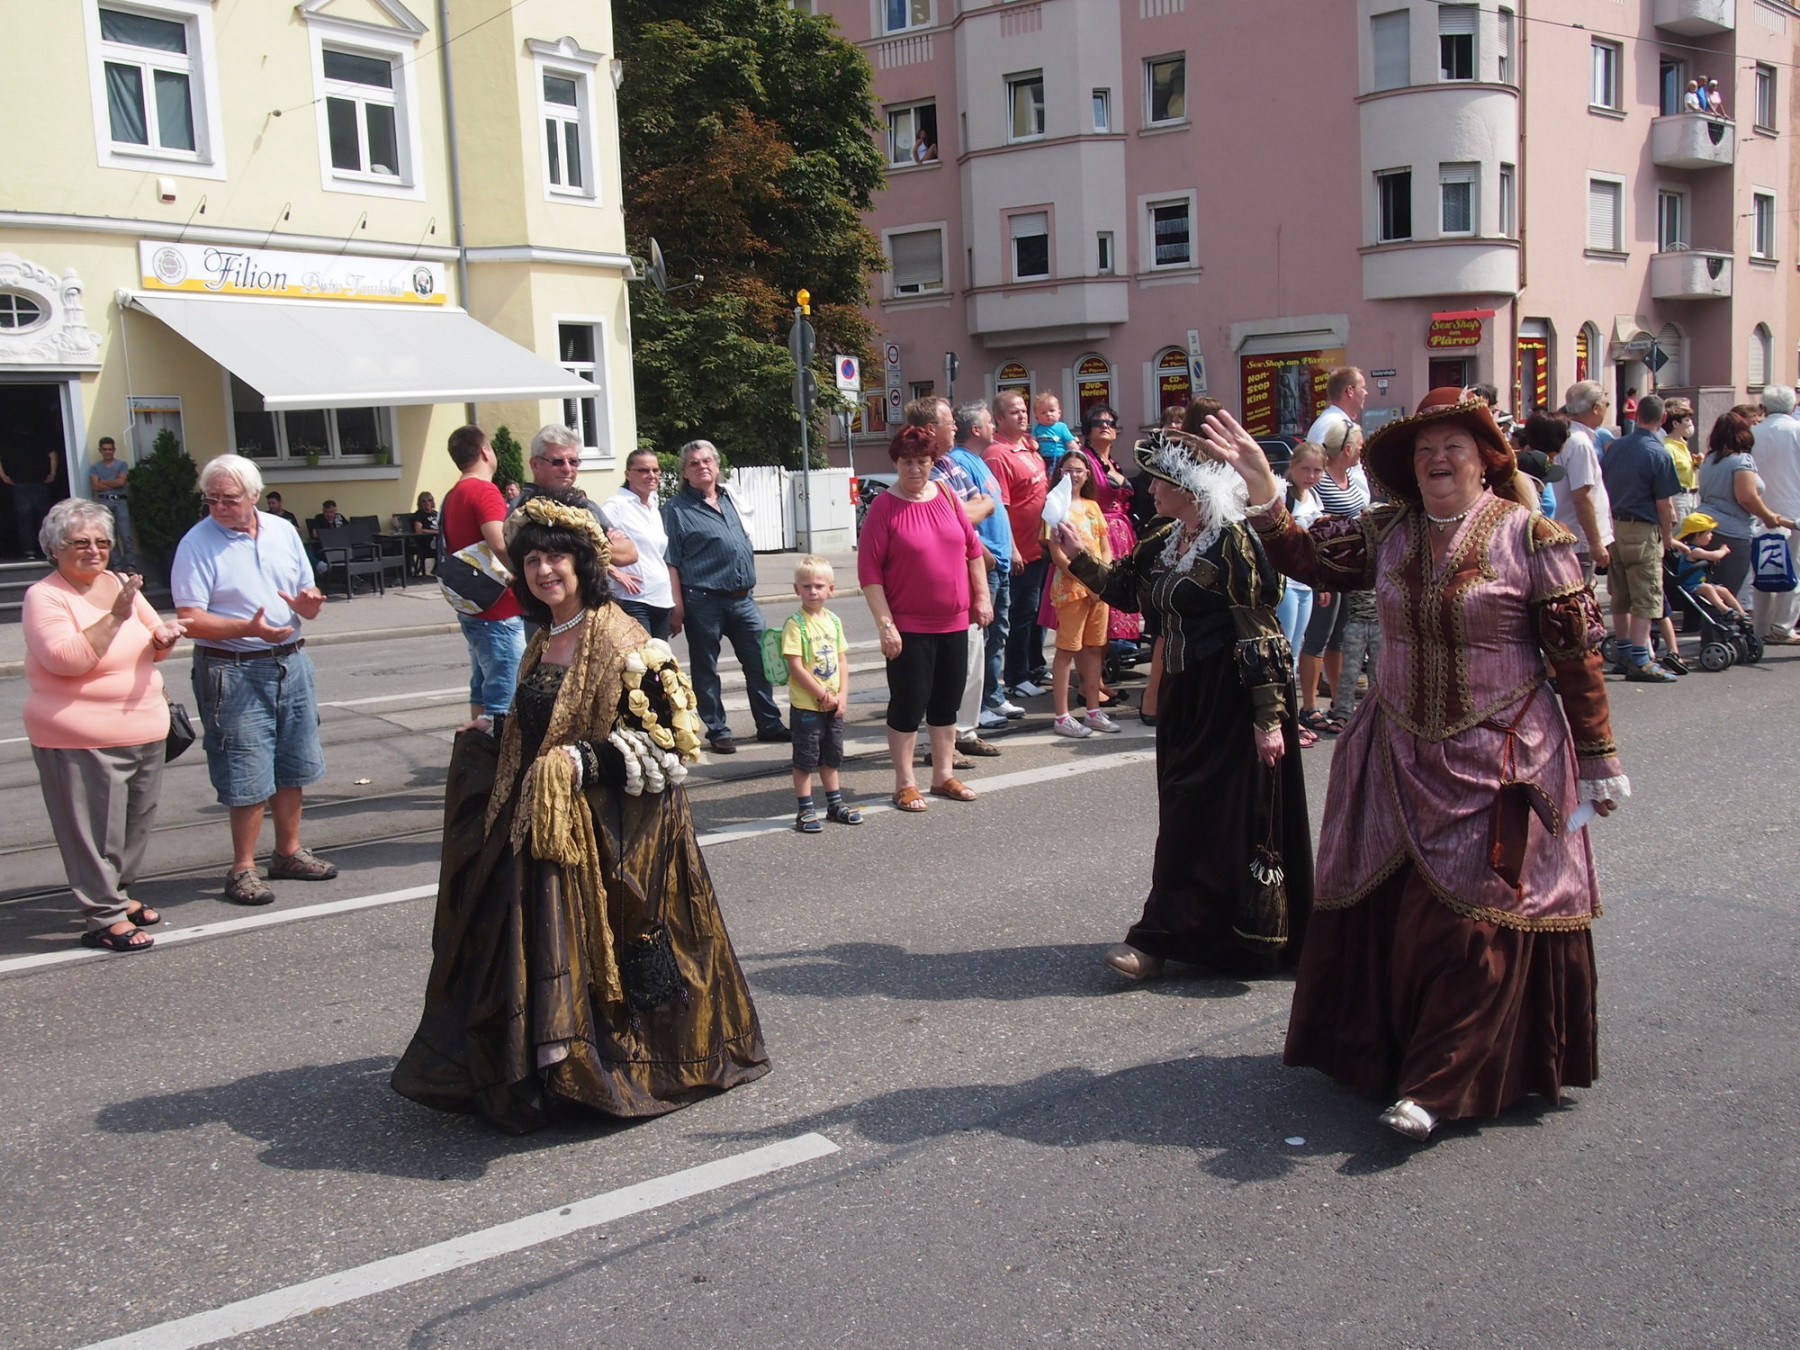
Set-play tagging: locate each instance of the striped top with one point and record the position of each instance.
(1349, 501)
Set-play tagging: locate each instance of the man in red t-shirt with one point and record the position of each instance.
(1024, 482)
(473, 511)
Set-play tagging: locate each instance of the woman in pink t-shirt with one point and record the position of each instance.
(921, 570)
(97, 718)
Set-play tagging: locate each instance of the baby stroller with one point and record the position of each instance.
(1726, 637)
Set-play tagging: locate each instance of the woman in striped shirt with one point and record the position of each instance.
(1343, 490)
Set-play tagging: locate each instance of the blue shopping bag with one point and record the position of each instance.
(1772, 562)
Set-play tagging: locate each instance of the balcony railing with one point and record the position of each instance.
(1690, 274)
(1696, 18)
(1692, 141)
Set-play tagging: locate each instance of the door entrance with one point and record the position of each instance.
(32, 450)
(1447, 372)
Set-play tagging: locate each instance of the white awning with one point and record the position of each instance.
(338, 354)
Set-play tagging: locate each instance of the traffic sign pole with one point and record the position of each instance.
(801, 344)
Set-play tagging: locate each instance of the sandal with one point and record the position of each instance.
(1308, 738)
(954, 790)
(244, 887)
(909, 798)
(1315, 721)
(134, 941)
(807, 821)
(1336, 722)
(143, 916)
(300, 865)
(843, 815)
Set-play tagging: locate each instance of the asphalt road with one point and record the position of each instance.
(1026, 1152)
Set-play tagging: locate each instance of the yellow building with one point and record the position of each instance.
(311, 233)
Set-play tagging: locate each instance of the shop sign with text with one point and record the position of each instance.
(1453, 333)
(1284, 392)
(276, 274)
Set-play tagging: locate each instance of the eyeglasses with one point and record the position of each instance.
(1103, 422)
(561, 463)
(83, 545)
(218, 499)
(644, 468)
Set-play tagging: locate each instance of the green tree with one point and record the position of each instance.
(510, 456)
(748, 133)
(164, 495)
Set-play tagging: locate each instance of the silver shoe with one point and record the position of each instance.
(1132, 963)
(1407, 1117)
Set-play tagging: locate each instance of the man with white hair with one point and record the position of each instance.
(555, 461)
(1582, 506)
(242, 586)
(1777, 455)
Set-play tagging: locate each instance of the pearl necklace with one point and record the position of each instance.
(1445, 522)
(558, 629)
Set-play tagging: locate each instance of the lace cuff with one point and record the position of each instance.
(1265, 508)
(1614, 790)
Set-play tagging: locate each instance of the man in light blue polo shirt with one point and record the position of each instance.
(242, 584)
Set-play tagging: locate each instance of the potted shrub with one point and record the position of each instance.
(383, 455)
(313, 455)
(164, 494)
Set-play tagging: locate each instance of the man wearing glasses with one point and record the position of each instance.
(242, 587)
(555, 460)
(642, 588)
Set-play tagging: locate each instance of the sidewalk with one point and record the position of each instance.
(420, 610)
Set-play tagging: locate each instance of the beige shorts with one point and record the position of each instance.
(1634, 576)
(1081, 623)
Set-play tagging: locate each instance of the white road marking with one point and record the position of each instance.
(749, 830)
(461, 690)
(395, 1272)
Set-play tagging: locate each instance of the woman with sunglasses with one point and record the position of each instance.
(643, 589)
(1114, 491)
(97, 718)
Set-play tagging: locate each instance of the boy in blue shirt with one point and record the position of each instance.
(1054, 439)
(818, 687)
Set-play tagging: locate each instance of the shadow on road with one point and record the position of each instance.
(345, 1118)
(1007, 973)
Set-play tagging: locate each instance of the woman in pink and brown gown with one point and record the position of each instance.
(1450, 966)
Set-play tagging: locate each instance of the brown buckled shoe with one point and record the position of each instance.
(244, 887)
(301, 865)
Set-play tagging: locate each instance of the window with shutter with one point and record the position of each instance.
(1603, 215)
(1505, 73)
(1030, 245)
(918, 261)
(1761, 351)
(1456, 187)
(1390, 37)
(1456, 40)
(1171, 235)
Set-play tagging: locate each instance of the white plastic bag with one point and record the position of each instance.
(1056, 504)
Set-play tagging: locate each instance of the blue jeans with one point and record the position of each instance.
(31, 503)
(708, 619)
(124, 551)
(1025, 640)
(495, 646)
(1292, 614)
(262, 725)
(654, 618)
(1000, 588)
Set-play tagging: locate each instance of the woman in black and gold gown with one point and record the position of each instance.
(1232, 882)
(578, 950)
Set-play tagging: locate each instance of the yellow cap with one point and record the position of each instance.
(1695, 522)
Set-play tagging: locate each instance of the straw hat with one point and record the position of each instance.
(1389, 454)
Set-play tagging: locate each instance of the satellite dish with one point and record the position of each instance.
(657, 270)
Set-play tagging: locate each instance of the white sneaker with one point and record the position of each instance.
(1026, 689)
(991, 719)
(1099, 721)
(1008, 709)
(1066, 725)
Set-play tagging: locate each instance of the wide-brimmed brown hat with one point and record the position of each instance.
(1389, 453)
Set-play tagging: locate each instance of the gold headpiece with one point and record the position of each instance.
(548, 511)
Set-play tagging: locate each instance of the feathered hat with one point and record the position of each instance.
(1389, 453)
(1177, 459)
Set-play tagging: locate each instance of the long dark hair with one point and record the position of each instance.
(1087, 488)
(1731, 435)
(534, 537)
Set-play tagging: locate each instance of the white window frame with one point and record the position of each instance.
(1013, 239)
(901, 156)
(400, 49)
(1508, 213)
(1764, 227)
(201, 65)
(604, 451)
(565, 60)
(1014, 83)
(1147, 208)
(1761, 350)
(1106, 254)
(288, 456)
(1102, 110)
(891, 289)
(1150, 64)
(1620, 202)
(1606, 77)
(1459, 175)
(881, 17)
(1507, 32)
(1681, 238)
(1472, 33)
(1768, 90)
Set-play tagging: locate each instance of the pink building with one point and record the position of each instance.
(1134, 201)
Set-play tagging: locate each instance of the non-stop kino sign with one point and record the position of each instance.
(274, 274)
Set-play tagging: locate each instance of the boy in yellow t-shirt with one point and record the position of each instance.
(818, 685)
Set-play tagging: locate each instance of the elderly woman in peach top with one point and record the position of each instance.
(96, 718)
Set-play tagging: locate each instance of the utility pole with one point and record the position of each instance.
(806, 392)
